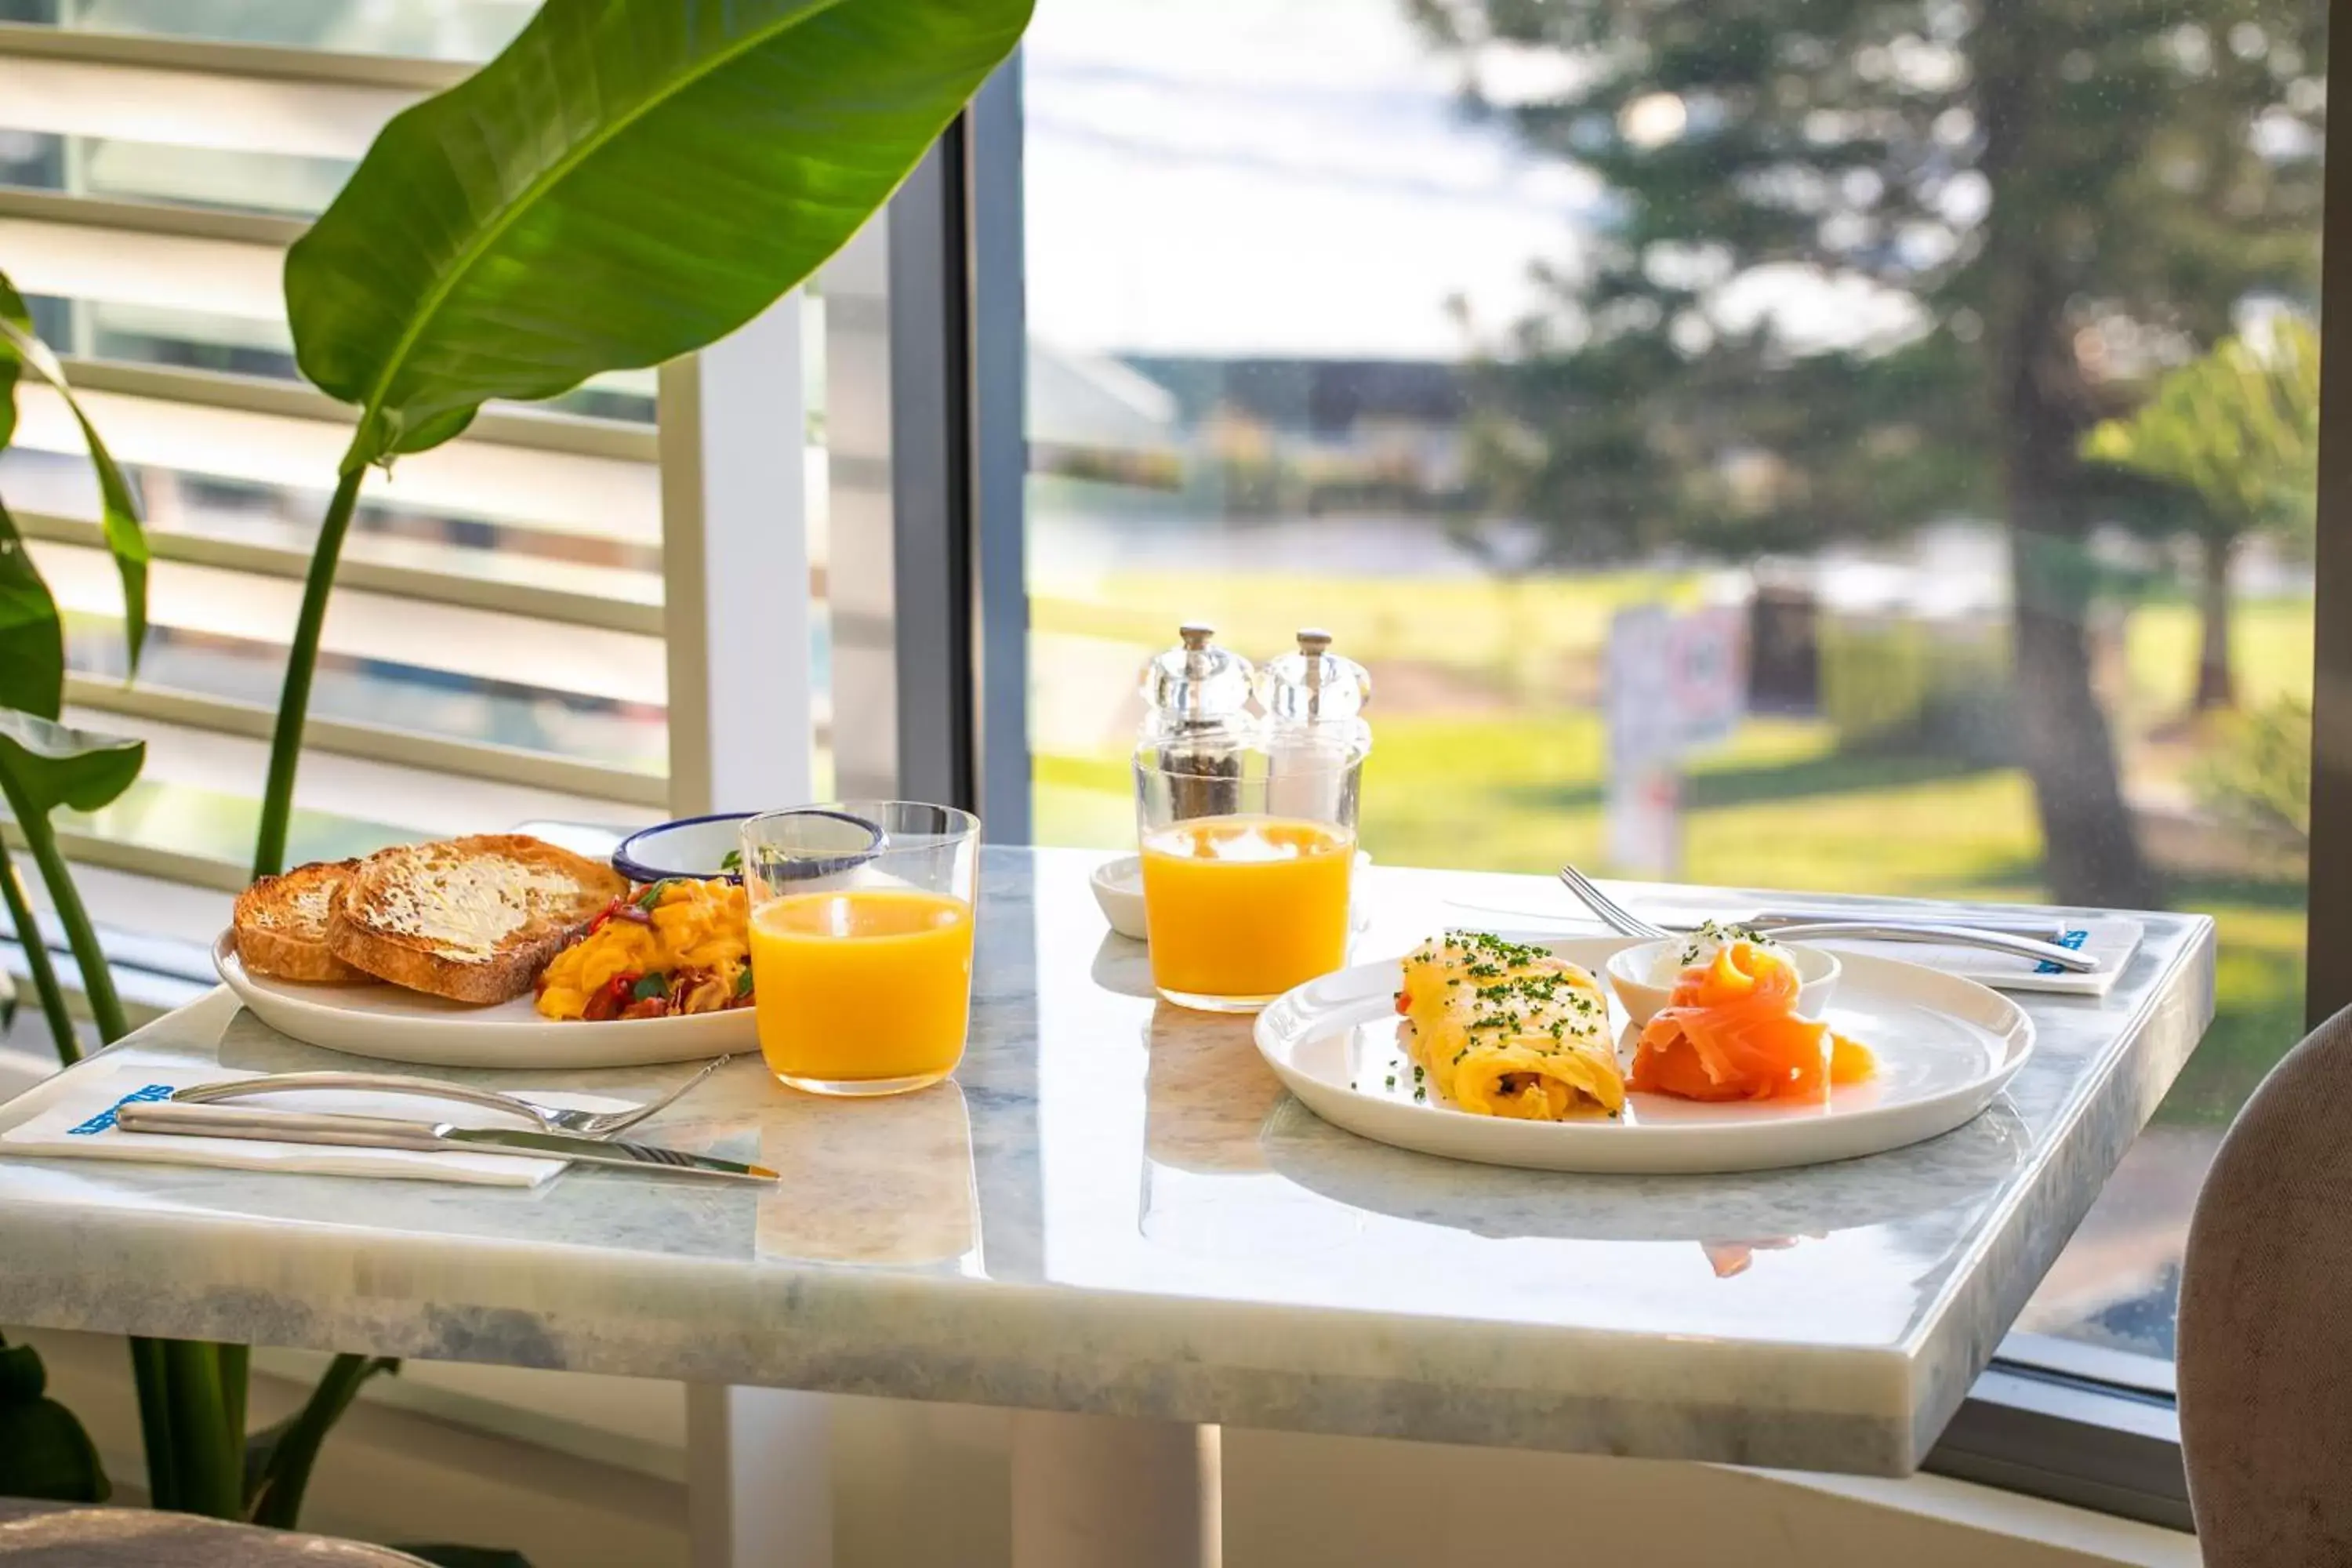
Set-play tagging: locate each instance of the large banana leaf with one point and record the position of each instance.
(628, 181)
(118, 509)
(45, 765)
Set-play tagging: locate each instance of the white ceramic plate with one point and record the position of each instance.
(410, 1027)
(1944, 1045)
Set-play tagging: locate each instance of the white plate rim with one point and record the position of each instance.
(1768, 1141)
(456, 1039)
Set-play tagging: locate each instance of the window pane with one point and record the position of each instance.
(1462, 327)
(433, 29)
(233, 481)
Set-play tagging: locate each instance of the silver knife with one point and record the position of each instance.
(2042, 928)
(2044, 953)
(384, 1132)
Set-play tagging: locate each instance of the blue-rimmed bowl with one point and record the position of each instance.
(701, 846)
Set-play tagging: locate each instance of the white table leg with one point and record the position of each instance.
(1100, 1492)
(759, 1478)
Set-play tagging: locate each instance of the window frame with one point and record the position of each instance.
(938, 621)
(2328, 987)
(2047, 1417)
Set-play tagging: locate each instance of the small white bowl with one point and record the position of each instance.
(1631, 968)
(1119, 888)
(700, 846)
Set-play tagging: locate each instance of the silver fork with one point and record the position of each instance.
(1613, 915)
(551, 1118)
(1625, 922)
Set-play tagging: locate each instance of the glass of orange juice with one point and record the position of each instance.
(1245, 878)
(861, 965)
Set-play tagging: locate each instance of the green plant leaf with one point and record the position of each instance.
(207, 1457)
(32, 634)
(37, 963)
(45, 764)
(118, 508)
(629, 180)
(13, 311)
(278, 1459)
(44, 1451)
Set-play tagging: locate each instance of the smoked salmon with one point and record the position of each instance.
(1731, 1031)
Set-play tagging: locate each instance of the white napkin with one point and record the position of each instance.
(2110, 939)
(73, 1115)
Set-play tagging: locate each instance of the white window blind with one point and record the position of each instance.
(495, 651)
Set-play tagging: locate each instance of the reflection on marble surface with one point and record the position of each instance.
(871, 1181)
(1115, 1208)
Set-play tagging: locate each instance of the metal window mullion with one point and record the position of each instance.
(1000, 450)
(2328, 988)
(926, 345)
(931, 477)
(2072, 1443)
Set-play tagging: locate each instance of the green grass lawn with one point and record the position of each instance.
(2270, 652)
(1501, 629)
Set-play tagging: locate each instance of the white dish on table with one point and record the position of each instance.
(706, 846)
(404, 1025)
(1118, 893)
(1633, 975)
(1945, 1049)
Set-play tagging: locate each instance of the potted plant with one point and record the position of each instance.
(628, 181)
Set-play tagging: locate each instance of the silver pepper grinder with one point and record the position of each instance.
(1197, 726)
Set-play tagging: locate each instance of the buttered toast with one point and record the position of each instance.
(281, 925)
(474, 919)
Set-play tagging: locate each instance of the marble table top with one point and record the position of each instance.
(1115, 1209)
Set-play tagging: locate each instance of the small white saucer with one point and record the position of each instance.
(1119, 888)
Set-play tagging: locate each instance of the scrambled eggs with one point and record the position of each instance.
(1501, 1028)
(675, 946)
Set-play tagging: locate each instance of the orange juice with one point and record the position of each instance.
(1245, 907)
(870, 986)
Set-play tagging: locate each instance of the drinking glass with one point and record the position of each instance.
(861, 965)
(1245, 875)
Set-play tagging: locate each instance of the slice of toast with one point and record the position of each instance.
(281, 925)
(474, 919)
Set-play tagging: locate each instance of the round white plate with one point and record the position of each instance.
(1944, 1045)
(410, 1027)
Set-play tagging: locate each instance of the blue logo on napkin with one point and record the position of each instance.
(2073, 939)
(104, 1120)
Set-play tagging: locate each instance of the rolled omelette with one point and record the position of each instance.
(1502, 1028)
